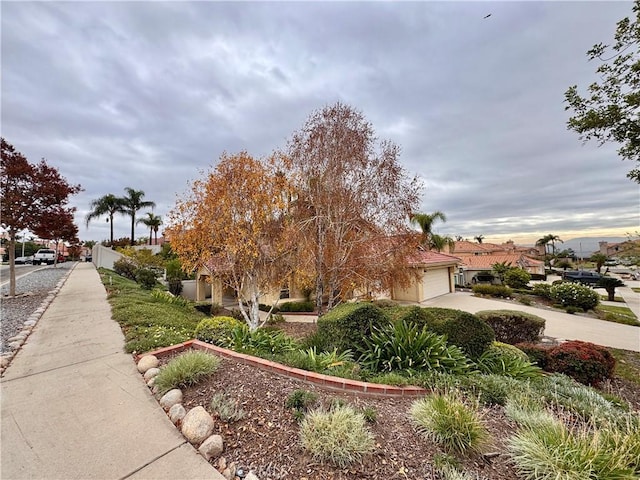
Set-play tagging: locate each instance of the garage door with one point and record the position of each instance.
(435, 283)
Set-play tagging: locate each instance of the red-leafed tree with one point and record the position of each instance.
(29, 196)
(58, 226)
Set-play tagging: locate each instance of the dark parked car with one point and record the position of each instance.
(580, 276)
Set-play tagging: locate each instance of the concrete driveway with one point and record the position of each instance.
(558, 324)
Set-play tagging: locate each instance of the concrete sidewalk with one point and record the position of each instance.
(75, 407)
(558, 324)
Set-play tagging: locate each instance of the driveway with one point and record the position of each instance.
(558, 324)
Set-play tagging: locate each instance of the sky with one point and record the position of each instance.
(148, 95)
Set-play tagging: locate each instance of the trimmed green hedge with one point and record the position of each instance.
(492, 290)
(512, 326)
(467, 331)
(346, 326)
(297, 307)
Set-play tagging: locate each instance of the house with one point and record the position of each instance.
(435, 277)
(471, 265)
(209, 286)
(629, 247)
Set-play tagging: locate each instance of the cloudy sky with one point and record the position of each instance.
(149, 94)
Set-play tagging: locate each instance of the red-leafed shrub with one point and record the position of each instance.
(585, 362)
(537, 354)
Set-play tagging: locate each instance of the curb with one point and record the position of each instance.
(324, 381)
(29, 324)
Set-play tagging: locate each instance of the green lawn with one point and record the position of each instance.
(617, 314)
(615, 299)
(636, 289)
(147, 322)
(628, 364)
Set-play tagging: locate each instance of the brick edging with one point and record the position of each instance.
(319, 379)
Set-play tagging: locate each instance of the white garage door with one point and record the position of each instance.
(435, 283)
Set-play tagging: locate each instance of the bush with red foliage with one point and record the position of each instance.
(585, 362)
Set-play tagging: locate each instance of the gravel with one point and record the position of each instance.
(31, 290)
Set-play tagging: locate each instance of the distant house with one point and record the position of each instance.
(472, 264)
(435, 277)
(630, 247)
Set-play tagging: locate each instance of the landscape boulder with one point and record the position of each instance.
(147, 362)
(212, 447)
(171, 398)
(177, 413)
(197, 425)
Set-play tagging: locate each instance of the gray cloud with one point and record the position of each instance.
(147, 95)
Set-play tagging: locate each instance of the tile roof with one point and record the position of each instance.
(486, 261)
(430, 257)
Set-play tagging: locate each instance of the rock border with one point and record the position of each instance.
(16, 342)
(196, 425)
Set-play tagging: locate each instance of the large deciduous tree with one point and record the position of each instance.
(30, 196)
(107, 205)
(235, 222)
(352, 199)
(610, 111)
(132, 203)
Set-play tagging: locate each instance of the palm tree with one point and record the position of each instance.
(153, 222)
(425, 222)
(479, 238)
(439, 242)
(553, 239)
(107, 205)
(132, 203)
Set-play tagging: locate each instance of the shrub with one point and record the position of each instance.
(125, 267)
(313, 361)
(385, 303)
(466, 331)
(262, 341)
(389, 378)
(575, 295)
(166, 297)
(537, 354)
(490, 389)
(550, 450)
(413, 315)
(511, 326)
(445, 419)
(174, 270)
(346, 326)
(301, 400)
(524, 299)
(297, 307)
(339, 435)
(517, 278)
(186, 369)
(217, 330)
(439, 315)
(401, 346)
(227, 409)
(175, 286)
(542, 290)
(267, 308)
(507, 360)
(492, 290)
(146, 278)
(585, 362)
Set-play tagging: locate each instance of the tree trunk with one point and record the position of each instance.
(111, 222)
(611, 292)
(150, 234)
(12, 263)
(133, 226)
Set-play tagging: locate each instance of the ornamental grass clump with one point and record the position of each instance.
(448, 421)
(339, 436)
(549, 450)
(186, 369)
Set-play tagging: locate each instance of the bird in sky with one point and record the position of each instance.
(487, 16)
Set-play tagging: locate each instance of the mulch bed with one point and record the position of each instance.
(266, 440)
